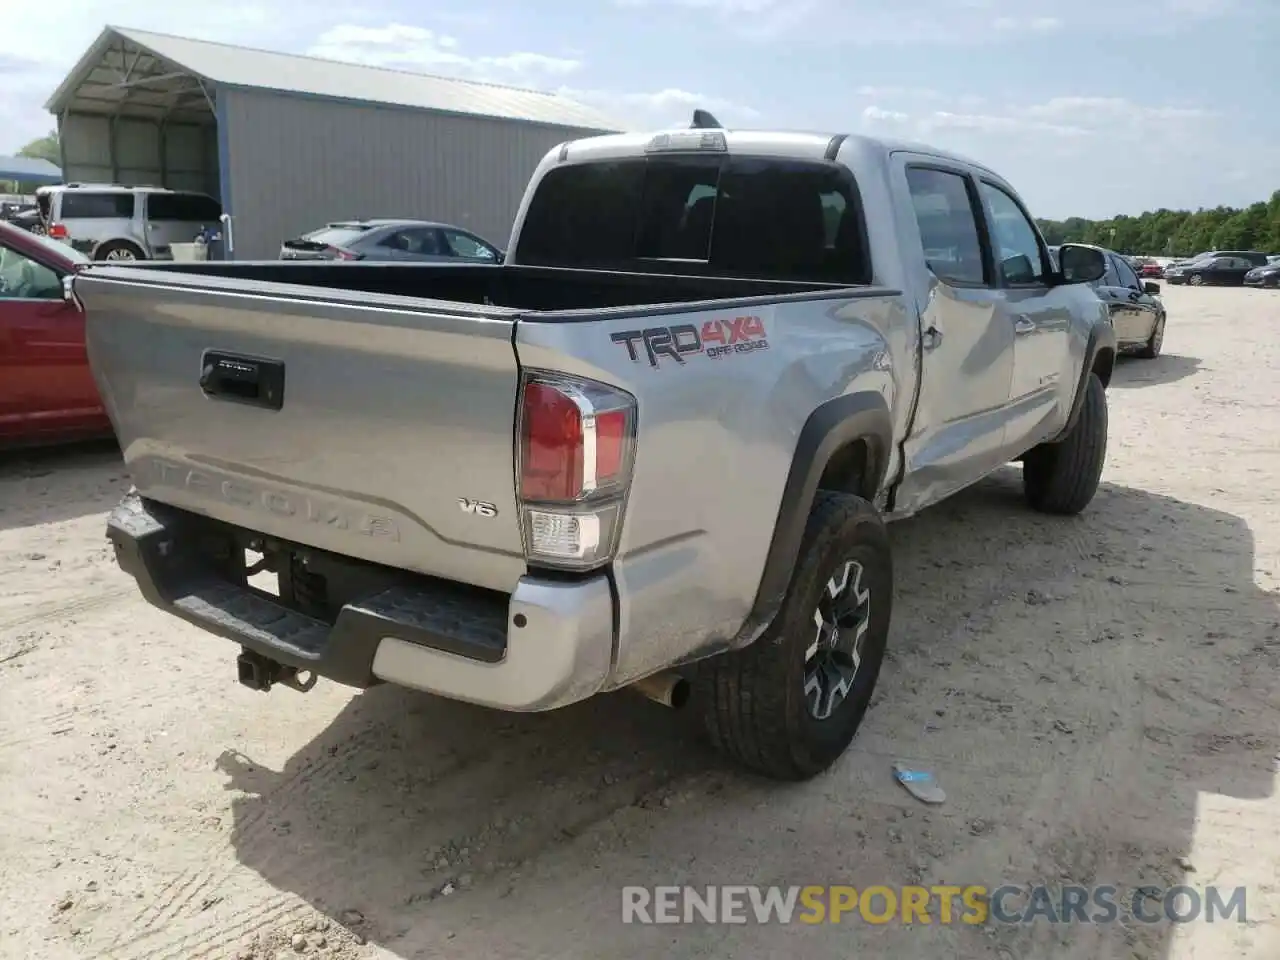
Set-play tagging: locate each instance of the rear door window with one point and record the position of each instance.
(419, 241)
(736, 216)
(468, 247)
(948, 223)
(83, 205)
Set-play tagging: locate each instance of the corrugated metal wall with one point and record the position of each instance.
(296, 163)
(183, 156)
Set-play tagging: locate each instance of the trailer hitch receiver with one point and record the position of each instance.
(262, 673)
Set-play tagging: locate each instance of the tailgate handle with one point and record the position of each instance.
(256, 381)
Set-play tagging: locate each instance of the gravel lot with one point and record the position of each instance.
(1098, 697)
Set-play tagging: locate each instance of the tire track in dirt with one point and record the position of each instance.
(56, 612)
(168, 902)
(166, 907)
(167, 916)
(211, 938)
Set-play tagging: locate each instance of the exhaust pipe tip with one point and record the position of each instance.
(667, 688)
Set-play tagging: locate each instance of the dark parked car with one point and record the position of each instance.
(1225, 271)
(47, 393)
(1134, 306)
(1136, 310)
(1253, 256)
(1268, 276)
(394, 240)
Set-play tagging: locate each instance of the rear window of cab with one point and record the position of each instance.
(735, 216)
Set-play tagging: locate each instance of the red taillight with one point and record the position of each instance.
(339, 254)
(576, 438)
(551, 455)
(611, 437)
(58, 231)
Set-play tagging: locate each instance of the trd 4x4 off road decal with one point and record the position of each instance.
(717, 338)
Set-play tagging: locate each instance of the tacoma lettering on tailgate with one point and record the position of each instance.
(717, 338)
(250, 496)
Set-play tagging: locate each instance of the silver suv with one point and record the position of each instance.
(110, 222)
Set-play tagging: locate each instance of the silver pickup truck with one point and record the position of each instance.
(655, 448)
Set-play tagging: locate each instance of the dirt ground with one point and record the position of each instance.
(1097, 696)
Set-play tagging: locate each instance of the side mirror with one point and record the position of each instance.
(1153, 289)
(1081, 264)
(69, 292)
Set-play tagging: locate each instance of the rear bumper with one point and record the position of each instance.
(552, 644)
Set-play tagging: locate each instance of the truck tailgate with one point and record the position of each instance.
(356, 423)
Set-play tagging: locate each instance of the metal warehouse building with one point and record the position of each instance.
(289, 142)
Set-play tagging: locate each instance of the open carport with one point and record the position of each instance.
(29, 170)
(289, 142)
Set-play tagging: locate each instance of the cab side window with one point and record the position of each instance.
(948, 225)
(1018, 253)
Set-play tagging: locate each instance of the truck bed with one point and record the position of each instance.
(513, 286)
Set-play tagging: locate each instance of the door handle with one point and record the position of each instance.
(1023, 324)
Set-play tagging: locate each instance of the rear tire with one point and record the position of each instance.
(788, 705)
(1062, 477)
(118, 251)
(1152, 348)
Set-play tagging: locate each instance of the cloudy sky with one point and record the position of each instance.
(1090, 107)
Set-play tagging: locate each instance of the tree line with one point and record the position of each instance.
(1176, 233)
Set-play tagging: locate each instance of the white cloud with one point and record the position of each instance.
(670, 107)
(997, 123)
(1107, 109)
(417, 48)
(899, 93)
(931, 112)
(874, 115)
(752, 19)
(968, 22)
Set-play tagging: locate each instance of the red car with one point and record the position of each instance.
(47, 394)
